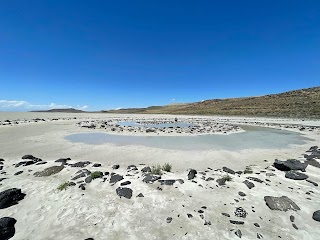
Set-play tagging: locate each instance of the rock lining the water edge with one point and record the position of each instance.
(281, 203)
(7, 229)
(290, 164)
(49, 171)
(10, 197)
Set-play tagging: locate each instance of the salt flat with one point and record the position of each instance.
(98, 212)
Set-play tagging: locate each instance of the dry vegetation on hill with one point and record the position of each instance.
(304, 103)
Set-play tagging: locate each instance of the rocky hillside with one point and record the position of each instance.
(304, 103)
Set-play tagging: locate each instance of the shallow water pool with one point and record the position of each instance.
(254, 137)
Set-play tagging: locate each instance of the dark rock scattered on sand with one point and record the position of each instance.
(238, 233)
(240, 212)
(290, 164)
(115, 178)
(168, 182)
(255, 179)
(228, 170)
(221, 181)
(248, 184)
(225, 214)
(10, 197)
(314, 163)
(63, 160)
(28, 156)
(192, 174)
(27, 163)
(281, 203)
(1, 179)
(316, 216)
(291, 218)
(41, 163)
(169, 219)
(80, 164)
(116, 166)
(150, 178)
(256, 224)
(146, 169)
(96, 165)
(314, 183)
(82, 186)
(18, 173)
(88, 179)
(242, 194)
(7, 229)
(124, 192)
(236, 222)
(259, 236)
(295, 226)
(125, 183)
(80, 175)
(295, 175)
(48, 171)
(140, 195)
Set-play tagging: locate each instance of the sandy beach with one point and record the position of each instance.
(197, 208)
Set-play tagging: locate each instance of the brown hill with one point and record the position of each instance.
(304, 103)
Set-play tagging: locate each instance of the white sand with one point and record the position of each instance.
(99, 213)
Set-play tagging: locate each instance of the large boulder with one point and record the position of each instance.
(7, 229)
(192, 174)
(124, 192)
(290, 164)
(281, 203)
(295, 175)
(316, 216)
(49, 171)
(10, 197)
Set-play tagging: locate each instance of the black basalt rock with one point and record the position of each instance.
(10, 197)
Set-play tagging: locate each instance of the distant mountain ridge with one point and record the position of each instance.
(303, 103)
(63, 110)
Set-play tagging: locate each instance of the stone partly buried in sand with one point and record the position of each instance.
(124, 192)
(7, 229)
(295, 175)
(10, 197)
(48, 171)
(281, 203)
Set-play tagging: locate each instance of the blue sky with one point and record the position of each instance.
(107, 54)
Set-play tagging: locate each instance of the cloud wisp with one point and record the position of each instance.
(14, 105)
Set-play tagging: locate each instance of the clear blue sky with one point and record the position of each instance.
(109, 54)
